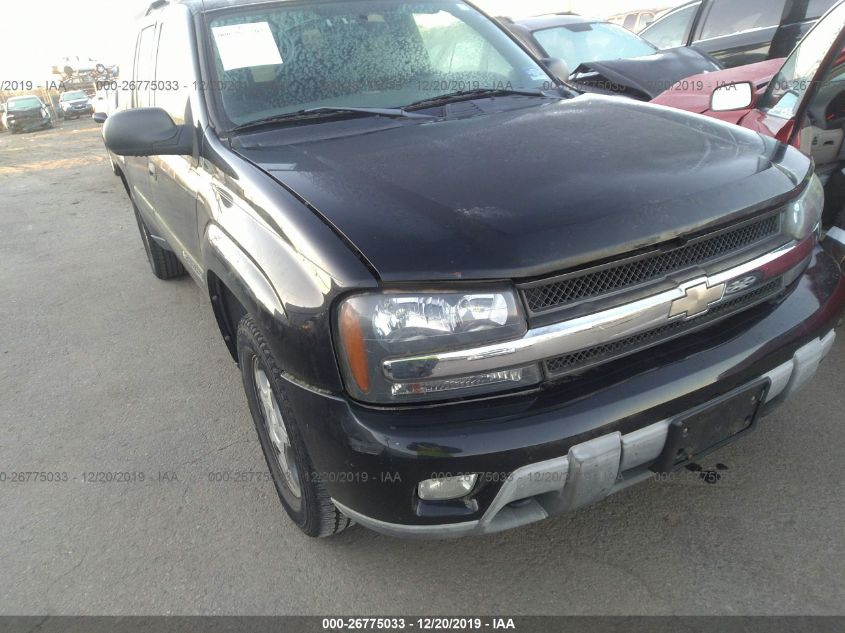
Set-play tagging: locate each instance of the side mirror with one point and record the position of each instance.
(146, 132)
(739, 96)
(100, 117)
(557, 67)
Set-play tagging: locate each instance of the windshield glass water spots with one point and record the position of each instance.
(270, 61)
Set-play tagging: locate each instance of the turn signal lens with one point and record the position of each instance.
(354, 347)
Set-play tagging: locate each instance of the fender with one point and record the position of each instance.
(297, 330)
(240, 274)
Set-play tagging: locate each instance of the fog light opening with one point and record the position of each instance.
(446, 488)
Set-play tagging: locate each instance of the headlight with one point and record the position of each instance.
(375, 327)
(804, 216)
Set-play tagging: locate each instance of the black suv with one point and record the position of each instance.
(737, 32)
(463, 298)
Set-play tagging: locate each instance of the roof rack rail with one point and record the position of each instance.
(156, 5)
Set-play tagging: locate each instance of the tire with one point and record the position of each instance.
(164, 264)
(309, 506)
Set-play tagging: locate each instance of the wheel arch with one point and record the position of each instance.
(236, 287)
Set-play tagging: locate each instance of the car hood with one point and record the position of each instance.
(524, 192)
(76, 102)
(693, 94)
(652, 74)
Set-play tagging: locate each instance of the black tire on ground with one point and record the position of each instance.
(164, 264)
(312, 511)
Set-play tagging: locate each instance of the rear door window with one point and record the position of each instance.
(144, 67)
(728, 17)
(174, 71)
(673, 29)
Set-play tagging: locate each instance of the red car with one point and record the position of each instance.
(799, 100)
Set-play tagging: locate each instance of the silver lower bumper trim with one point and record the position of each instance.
(591, 471)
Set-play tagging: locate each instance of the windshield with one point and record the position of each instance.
(27, 103)
(591, 42)
(72, 96)
(270, 61)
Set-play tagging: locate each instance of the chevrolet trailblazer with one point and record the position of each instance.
(462, 296)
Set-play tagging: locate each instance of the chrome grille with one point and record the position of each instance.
(610, 351)
(561, 292)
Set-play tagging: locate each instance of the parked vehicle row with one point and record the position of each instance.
(737, 32)
(800, 101)
(76, 66)
(463, 295)
(603, 57)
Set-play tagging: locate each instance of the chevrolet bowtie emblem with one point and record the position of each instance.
(697, 301)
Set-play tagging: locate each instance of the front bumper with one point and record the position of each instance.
(29, 125)
(591, 471)
(76, 112)
(567, 446)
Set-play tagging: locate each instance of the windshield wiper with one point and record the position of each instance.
(318, 113)
(466, 95)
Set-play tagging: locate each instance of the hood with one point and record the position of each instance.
(693, 94)
(652, 74)
(525, 192)
(76, 102)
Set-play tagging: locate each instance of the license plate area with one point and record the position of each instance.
(711, 426)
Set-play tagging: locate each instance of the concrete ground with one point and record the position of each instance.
(105, 369)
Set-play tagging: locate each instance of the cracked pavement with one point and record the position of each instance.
(104, 369)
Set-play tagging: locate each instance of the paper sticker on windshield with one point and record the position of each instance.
(246, 45)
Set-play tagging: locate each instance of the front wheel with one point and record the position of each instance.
(299, 487)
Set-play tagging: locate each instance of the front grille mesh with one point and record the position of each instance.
(603, 353)
(558, 294)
